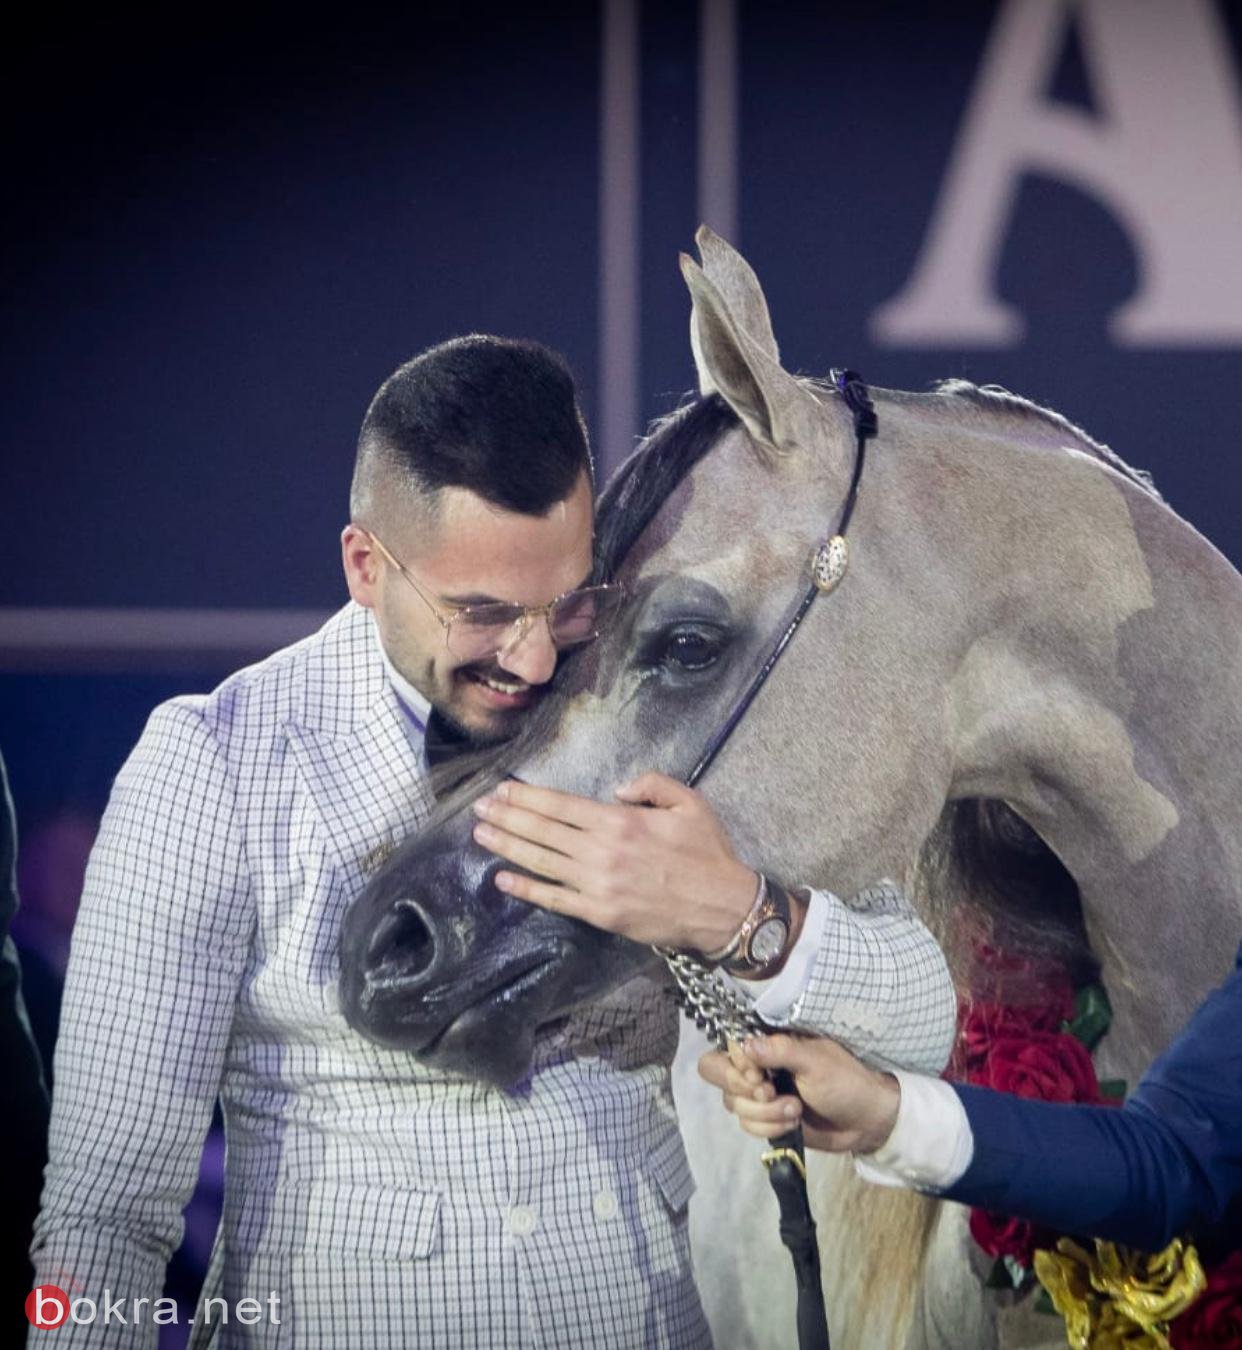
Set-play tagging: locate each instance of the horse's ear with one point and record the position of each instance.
(739, 287)
(776, 410)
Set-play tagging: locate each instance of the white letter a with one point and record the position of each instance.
(1165, 157)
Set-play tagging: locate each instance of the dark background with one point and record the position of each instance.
(221, 237)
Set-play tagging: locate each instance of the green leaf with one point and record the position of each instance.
(1044, 1304)
(1018, 1273)
(1093, 1015)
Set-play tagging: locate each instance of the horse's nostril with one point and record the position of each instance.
(403, 943)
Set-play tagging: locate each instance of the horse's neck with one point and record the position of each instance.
(1100, 695)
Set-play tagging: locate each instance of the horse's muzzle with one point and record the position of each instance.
(437, 961)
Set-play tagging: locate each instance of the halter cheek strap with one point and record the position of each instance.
(717, 1009)
(828, 565)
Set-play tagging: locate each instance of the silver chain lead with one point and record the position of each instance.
(719, 1011)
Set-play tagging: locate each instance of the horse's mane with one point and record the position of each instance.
(991, 400)
(673, 445)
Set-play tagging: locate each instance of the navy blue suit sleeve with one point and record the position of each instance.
(1168, 1161)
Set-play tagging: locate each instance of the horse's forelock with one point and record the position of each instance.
(672, 447)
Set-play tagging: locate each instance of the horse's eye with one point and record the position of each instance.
(691, 647)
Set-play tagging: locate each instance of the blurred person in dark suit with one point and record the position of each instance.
(23, 1122)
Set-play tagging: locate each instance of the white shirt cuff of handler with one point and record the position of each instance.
(774, 998)
(931, 1144)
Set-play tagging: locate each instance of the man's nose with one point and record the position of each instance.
(531, 655)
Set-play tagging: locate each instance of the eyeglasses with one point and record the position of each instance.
(474, 632)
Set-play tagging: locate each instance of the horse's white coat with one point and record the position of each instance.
(1020, 622)
(1096, 747)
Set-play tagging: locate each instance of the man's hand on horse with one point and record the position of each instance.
(657, 868)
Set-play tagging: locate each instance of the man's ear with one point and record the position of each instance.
(361, 561)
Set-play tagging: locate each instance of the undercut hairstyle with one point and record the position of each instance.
(496, 416)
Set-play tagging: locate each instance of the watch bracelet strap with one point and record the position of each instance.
(775, 902)
(731, 947)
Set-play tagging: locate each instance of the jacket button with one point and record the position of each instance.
(605, 1205)
(522, 1220)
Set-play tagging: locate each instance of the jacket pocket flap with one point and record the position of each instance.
(340, 1219)
(669, 1168)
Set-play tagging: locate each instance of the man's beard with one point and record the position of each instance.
(455, 735)
(447, 737)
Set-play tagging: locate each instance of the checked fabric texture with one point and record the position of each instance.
(886, 991)
(384, 1204)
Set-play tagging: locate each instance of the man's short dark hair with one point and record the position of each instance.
(496, 416)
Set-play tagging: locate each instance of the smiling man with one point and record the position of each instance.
(205, 960)
(470, 538)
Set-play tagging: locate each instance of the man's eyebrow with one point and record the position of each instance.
(479, 598)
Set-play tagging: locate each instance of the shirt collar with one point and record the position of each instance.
(413, 704)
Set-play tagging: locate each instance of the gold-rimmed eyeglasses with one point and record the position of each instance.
(475, 632)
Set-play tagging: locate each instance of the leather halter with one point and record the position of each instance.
(827, 567)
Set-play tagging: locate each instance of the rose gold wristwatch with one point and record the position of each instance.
(759, 945)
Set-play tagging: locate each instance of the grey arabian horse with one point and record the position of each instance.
(1027, 635)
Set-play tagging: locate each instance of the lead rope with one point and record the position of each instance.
(721, 1012)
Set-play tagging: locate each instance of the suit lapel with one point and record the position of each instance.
(365, 777)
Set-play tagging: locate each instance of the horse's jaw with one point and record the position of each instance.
(492, 1040)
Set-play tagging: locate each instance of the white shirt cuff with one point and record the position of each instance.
(776, 998)
(931, 1144)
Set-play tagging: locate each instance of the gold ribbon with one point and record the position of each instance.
(1115, 1298)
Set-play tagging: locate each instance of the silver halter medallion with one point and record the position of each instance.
(830, 563)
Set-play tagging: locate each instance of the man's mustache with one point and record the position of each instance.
(489, 670)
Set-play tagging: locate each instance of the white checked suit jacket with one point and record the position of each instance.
(383, 1203)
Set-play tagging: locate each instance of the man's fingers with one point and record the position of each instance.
(714, 1068)
(580, 812)
(782, 1052)
(544, 862)
(763, 1129)
(545, 894)
(759, 1111)
(718, 1069)
(778, 1114)
(744, 1066)
(530, 825)
(656, 789)
(746, 1085)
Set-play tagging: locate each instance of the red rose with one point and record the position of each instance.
(1214, 1320)
(1049, 1066)
(1000, 1235)
(983, 1023)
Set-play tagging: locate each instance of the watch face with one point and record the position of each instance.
(768, 941)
